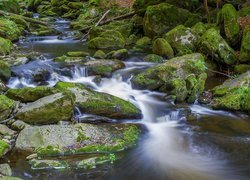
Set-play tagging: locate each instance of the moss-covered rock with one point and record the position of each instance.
(153, 58)
(163, 17)
(48, 110)
(245, 46)
(101, 104)
(6, 107)
(99, 54)
(233, 94)
(119, 54)
(228, 18)
(242, 68)
(77, 54)
(5, 170)
(161, 47)
(11, 6)
(9, 29)
(5, 72)
(110, 39)
(48, 164)
(143, 42)
(70, 60)
(182, 40)
(183, 77)
(5, 46)
(213, 44)
(4, 147)
(58, 140)
(29, 94)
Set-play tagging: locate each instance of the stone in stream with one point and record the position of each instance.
(161, 47)
(3, 86)
(77, 54)
(183, 77)
(102, 104)
(6, 107)
(30, 94)
(9, 29)
(153, 58)
(5, 170)
(48, 110)
(58, 140)
(99, 54)
(233, 94)
(213, 44)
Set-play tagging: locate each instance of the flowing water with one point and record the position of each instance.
(181, 141)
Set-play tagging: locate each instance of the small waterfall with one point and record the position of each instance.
(79, 72)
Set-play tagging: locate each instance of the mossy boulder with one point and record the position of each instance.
(30, 94)
(99, 54)
(70, 60)
(103, 67)
(161, 47)
(143, 42)
(110, 39)
(211, 43)
(161, 18)
(6, 107)
(5, 72)
(153, 58)
(9, 29)
(77, 54)
(59, 140)
(48, 110)
(119, 54)
(245, 46)
(102, 104)
(5, 46)
(228, 20)
(183, 77)
(4, 147)
(241, 68)
(233, 94)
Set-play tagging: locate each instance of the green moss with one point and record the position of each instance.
(162, 47)
(5, 46)
(241, 68)
(9, 29)
(245, 46)
(143, 42)
(3, 147)
(153, 58)
(48, 164)
(77, 54)
(6, 107)
(5, 72)
(48, 151)
(30, 94)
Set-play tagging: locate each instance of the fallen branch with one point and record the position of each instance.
(31, 20)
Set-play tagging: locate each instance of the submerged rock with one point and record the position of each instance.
(30, 94)
(99, 54)
(233, 94)
(183, 77)
(77, 54)
(58, 140)
(101, 104)
(213, 44)
(48, 110)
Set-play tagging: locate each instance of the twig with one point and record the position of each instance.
(217, 72)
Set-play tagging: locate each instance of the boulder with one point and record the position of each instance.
(182, 40)
(213, 44)
(6, 107)
(58, 140)
(245, 46)
(77, 54)
(233, 94)
(48, 110)
(30, 94)
(161, 47)
(153, 58)
(99, 54)
(102, 104)
(228, 20)
(5, 46)
(5, 72)
(161, 18)
(183, 77)
(241, 68)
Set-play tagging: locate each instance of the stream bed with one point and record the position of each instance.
(181, 141)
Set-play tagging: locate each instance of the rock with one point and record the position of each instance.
(77, 139)
(5, 170)
(6, 107)
(99, 54)
(228, 18)
(205, 97)
(5, 131)
(182, 40)
(102, 104)
(110, 39)
(245, 46)
(5, 72)
(241, 68)
(3, 86)
(163, 17)
(4, 148)
(69, 60)
(77, 54)
(48, 164)
(162, 48)
(48, 110)
(103, 67)
(19, 125)
(5, 46)
(143, 42)
(183, 77)
(120, 54)
(153, 58)
(29, 94)
(213, 44)
(199, 28)
(233, 94)
(9, 29)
